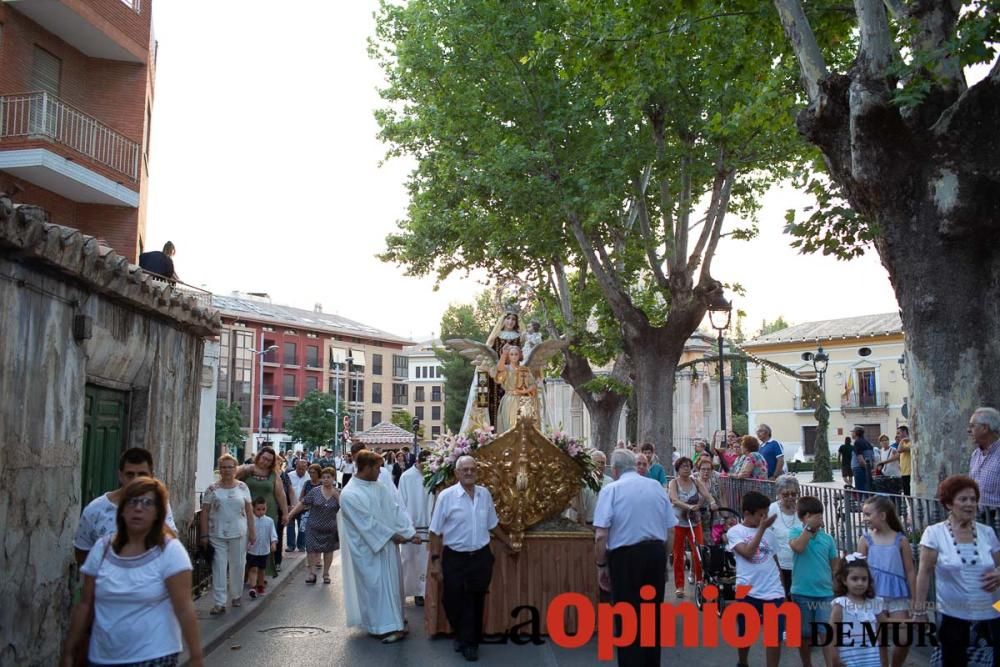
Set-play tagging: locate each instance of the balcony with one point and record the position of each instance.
(879, 401)
(31, 121)
(107, 30)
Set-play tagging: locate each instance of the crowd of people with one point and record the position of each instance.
(392, 532)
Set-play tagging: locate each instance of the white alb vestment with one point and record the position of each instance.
(419, 504)
(385, 478)
(369, 517)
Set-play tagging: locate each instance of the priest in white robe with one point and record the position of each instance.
(384, 474)
(372, 525)
(418, 502)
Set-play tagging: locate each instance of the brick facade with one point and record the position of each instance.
(115, 93)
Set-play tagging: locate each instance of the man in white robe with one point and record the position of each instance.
(418, 502)
(371, 525)
(384, 474)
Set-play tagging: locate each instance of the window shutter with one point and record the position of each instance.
(45, 72)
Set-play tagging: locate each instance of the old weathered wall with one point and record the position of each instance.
(43, 373)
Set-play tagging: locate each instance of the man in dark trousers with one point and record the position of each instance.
(634, 522)
(464, 515)
(864, 460)
(160, 263)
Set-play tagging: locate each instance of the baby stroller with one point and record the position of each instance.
(718, 565)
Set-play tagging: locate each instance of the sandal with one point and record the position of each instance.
(311, 579)
(217, 609)
(326, 578)
(679, 592)
(394, 637)
(237, 602)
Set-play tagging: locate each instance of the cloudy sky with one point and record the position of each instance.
(266, 174)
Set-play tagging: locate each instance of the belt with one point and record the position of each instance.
(467, 553)
(636, 544)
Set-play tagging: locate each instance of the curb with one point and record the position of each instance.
(214, 630)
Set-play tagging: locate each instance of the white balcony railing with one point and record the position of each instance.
(45, 115)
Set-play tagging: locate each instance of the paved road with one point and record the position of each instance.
(304, 625)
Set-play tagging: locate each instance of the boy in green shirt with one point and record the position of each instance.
(814, 557)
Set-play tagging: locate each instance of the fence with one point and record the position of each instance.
(42, 114)
(201, 576)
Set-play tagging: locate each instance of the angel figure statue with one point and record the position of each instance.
(515, 380)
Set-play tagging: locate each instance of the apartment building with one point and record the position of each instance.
(865, 381)
(76, 97)
(272, 355)
(425, 377)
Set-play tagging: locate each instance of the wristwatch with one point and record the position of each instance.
(809, 529)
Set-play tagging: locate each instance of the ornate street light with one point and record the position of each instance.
(720, 312)
(822, 471)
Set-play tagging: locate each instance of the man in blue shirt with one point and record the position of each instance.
(656, 471)
(772, 451)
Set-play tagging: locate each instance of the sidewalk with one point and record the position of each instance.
(215, 629)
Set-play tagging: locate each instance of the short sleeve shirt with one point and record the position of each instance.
(134, 620)
(99, 519)
(957, 585)
(760, 572)
(772, 451)
(811, 573)
(227, 517)
(985, 469)
(634, 509)
(464, 523)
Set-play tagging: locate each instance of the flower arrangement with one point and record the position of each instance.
(440, 465)
(576, 451)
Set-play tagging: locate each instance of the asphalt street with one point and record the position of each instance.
(303, 625)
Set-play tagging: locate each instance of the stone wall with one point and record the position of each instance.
(48, 276)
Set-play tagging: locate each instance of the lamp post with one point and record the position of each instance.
(719, 313)
(260, 389)
(822, 470)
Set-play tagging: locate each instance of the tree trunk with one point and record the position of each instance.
(603, 405)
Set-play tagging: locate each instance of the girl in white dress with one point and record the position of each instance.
(857, 607)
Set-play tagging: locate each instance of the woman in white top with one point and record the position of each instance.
(227, 524)
(787, 490)
(136, 595)
(964, 557)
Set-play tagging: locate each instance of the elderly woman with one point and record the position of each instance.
(227, 524)
(750, 465)
(787, 490)
(322, 502)
(136, 594)
(712, 481)
(264, 481)
(687, 495)
(964, 557)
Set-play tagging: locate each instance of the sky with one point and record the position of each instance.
(267, 174)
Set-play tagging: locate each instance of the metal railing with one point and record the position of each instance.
(878, 400)
(40, 114)
(203, 297)
(201, 576)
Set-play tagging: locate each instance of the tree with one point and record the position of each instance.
(310, 423)
(770, 327)
(404, 420)
(460, 321)
(738, 388)
(228, 425)
(584, 134)
(910, 148)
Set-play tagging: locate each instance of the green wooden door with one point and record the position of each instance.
(103, 440)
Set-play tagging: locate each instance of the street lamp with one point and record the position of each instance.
(822, 471)
(720, 312)
(260, 389)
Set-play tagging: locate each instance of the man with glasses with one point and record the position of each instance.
(99, 517)
(984, 466)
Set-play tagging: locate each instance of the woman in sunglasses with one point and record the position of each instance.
(136, 597)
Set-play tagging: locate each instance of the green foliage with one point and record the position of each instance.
(310, 423)
(774, 325)
(461, 321)
(831, 227)
(738, 388)
(228, 424)
(404, 420)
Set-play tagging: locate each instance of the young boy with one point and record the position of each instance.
(814, 558)
(264, 546)
(756, 549)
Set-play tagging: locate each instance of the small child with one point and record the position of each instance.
(890, 560)
(262, 547)
(856, 607)
(814, 556)
(756, 548)
(719, 530)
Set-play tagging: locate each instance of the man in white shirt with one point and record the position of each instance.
(464, 515)
(634, 522)
(99, 518)
(371, 525)
(298, 479)
(418, 502)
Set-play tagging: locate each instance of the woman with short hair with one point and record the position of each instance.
(787, 490)
(136, 596)
(964, 557)
(322, 502)
(750, 465)
(264, 481)
(687, 495)
(227, 524)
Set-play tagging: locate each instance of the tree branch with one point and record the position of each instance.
(876, 50)
(648, 242)
(562, 291)
(720, 216)
(683, 219)
(610, 286)
(800, 34)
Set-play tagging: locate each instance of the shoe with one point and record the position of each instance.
(311, 579)
(253, 593)
(419, 600)
(237, 602)
(470, 653)
(289, 551)
(326, 578)
(393, 637)
(679, 592)
(217, 609)
(261, 591)
(457, 645)
(277, 569)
